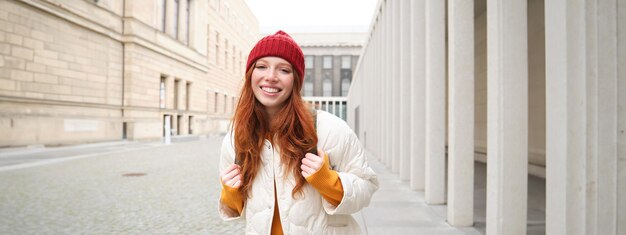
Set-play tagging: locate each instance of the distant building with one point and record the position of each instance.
(330, 59)
(87, 71)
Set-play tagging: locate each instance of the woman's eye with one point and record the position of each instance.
(286, 71)
(260, 66)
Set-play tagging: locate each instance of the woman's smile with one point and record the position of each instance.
(271, 90)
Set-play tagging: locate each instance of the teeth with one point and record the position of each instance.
(270, 90)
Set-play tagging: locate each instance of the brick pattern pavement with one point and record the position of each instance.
(177, 195)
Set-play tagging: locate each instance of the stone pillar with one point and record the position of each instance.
(380, 55)
(405, 89)
(607, 117)
(418, 98)
(565, 122)
(388, 79)
(591, 49)
(507, 115)
(384, 78)
(621, 117)
(461, 112)
(435, 102)
(395, 86)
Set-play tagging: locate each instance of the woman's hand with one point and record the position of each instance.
(311, 163)
(231, 177)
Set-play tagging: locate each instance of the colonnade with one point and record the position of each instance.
(426, 69)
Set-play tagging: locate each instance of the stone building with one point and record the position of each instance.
(101, 70)
(330, 59)
(529, 87)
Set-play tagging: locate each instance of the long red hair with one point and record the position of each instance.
(292, 128)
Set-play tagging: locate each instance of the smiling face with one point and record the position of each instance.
(272, 82)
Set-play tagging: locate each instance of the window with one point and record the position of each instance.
(225, 105)
(327, 87)
(176, 87)
(308, 62)
(176, 9)
(345, 86)
(328, 62)
(179, 119)
(209, 101)
(162, 92)
(190, 127)
(217, 47)
(308, 88)
(215, 102)
(225, 54)
(208, 41)
(188, 95)
(308, 82)
(163, 11)
(241, 62)
(233, 64)
(346, 62)
(232, 104)
(346, 74)
(187, 26)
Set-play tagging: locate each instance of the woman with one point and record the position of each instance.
(267, 170)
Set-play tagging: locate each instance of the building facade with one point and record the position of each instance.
(330, 59)
(86, 71)
(529, 87)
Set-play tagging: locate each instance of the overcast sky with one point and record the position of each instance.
(313, 15)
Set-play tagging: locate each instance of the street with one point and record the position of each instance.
(159, 189)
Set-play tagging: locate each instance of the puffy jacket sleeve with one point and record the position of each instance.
(227, 157)
(357, 178)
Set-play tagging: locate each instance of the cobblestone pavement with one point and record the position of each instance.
(177, 195)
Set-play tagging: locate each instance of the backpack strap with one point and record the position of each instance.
(314, 114)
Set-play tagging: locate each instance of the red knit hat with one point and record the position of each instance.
(280, 45)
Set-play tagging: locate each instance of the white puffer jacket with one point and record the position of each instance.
(311, 214)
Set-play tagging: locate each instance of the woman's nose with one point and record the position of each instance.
(271, 74)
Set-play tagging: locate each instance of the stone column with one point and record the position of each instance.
(566, 121)
(591, 49)
(601, 93)
(418, 98)
(607, 117)
(395, 86)
(461, 112)
(383, 85)
(388, 79)
(405, 89)
(621, 117)
(380, 81)
(435, 102)
(507, 117)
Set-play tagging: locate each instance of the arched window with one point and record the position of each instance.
(327, 88)
(345, 86)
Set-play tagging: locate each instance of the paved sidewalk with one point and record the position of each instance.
(152, 188)
(396, 209)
